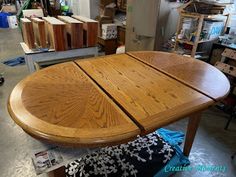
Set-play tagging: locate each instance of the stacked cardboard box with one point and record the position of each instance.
(107, 13)
(109, 31)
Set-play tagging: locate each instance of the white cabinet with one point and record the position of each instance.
(150, 23)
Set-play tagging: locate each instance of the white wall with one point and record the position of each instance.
(87, 8)
(84, 8)
(75, 6)
(94, 8)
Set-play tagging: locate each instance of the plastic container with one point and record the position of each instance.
(3, 19)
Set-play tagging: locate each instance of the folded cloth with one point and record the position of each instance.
(149, 155)
(144, 156)
(15, 61)
(172, 137)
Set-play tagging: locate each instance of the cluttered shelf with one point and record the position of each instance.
(217, 3)
(192, 43)
(185, 41)
(197, 26)
(203, 41)
(197, 15)
(112, 25)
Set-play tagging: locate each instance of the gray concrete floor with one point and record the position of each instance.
(213, 145)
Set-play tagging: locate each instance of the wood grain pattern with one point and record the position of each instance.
(108, 45)
(61, 104)
(74, 29)
(56, 33)
(112, 99)
(90, 30)
(39, 32)
(60, 172)
(150, 98)
(197, 74)
(28, 33)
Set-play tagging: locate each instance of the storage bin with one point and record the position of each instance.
(12, 21)
(3, 19)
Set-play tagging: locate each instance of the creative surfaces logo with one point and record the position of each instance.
(202, 168)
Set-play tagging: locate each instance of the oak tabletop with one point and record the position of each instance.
(195, 73)
(112, 99)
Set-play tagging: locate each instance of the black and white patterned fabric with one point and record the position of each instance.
(143, 157)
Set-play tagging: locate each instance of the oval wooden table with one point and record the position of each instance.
(112, 99)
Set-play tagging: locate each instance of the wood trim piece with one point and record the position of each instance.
(56, 33)
(199, 29)
(28, 33)
(74, 29)
(39, 31)
(90, 30)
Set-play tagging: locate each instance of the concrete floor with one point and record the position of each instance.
(213, 145)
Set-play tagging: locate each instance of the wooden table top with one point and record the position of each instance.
(112, 99)
(200, 76)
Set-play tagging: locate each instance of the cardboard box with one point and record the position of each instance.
(12, 21)
(108, 12)
(103, 20)
(9, 8)
(31, 13)
(109, 31)
(106, 2)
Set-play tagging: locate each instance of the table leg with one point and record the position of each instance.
(30, 63)
(60, 172)
(96, 52)
(191, 132)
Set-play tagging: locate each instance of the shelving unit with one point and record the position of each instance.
(110, 15)
(197, 40)
(122, 4)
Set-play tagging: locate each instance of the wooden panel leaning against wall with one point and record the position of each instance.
(90, 30)
(74, 30)
(39, 32)
(56, 33)
(28, 33)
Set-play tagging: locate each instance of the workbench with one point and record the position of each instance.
(34, 56)
(113, 99)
